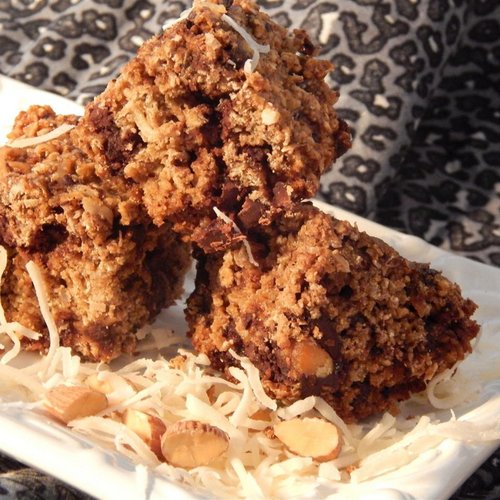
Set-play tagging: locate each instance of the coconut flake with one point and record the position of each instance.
(257, 49)
(330, 414)
(298, 408)
(42, 297)
(20, 378)
(245, 407)
(21, 330)
(449, 389)
(375, 434)
(249, 485)
(327, 470)
(121, 390)
(256, 466)
(14, 331)
(255, 382)
(183, 15)
(221, 215)
(14, 351)
(26, 142)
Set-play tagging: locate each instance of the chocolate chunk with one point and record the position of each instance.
(250, 213)
(101, 118)
(117, 149)
(48, 237)
(281, 198)
(230, 197)
(216, 236)
(330, 340)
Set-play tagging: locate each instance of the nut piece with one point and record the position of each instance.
(310, 437)
(70, 402)
(269, 116)
(95, 383)
(116, 388)
(148, 427)
(310, 359)
(189, 444)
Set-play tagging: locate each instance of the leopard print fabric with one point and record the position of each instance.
(419, 83)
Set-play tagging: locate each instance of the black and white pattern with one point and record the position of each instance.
(420, 87)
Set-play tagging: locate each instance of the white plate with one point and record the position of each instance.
(39, 442)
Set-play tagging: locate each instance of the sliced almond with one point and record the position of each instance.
(70, 402)
(189, 444)
(148, 427)
(310, 437)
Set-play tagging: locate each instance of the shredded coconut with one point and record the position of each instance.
(184, 14)
(254, 380)
(41, 295)
(257, 49)
(221, 215)
(16, 348)
(26, 142)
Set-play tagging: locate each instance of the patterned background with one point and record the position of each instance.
(420, 87)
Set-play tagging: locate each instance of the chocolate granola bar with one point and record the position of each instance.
(192, 124)
(105, 278)
(328, 310)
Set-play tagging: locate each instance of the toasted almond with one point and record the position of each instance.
(309, 358)
(116, 387)
(99, 385)
(70, 402)
(190, 443)
(310, 437)
(148, 427)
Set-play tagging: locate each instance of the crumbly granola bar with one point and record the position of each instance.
(105, 278)
(186, 124)
(329, 311)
